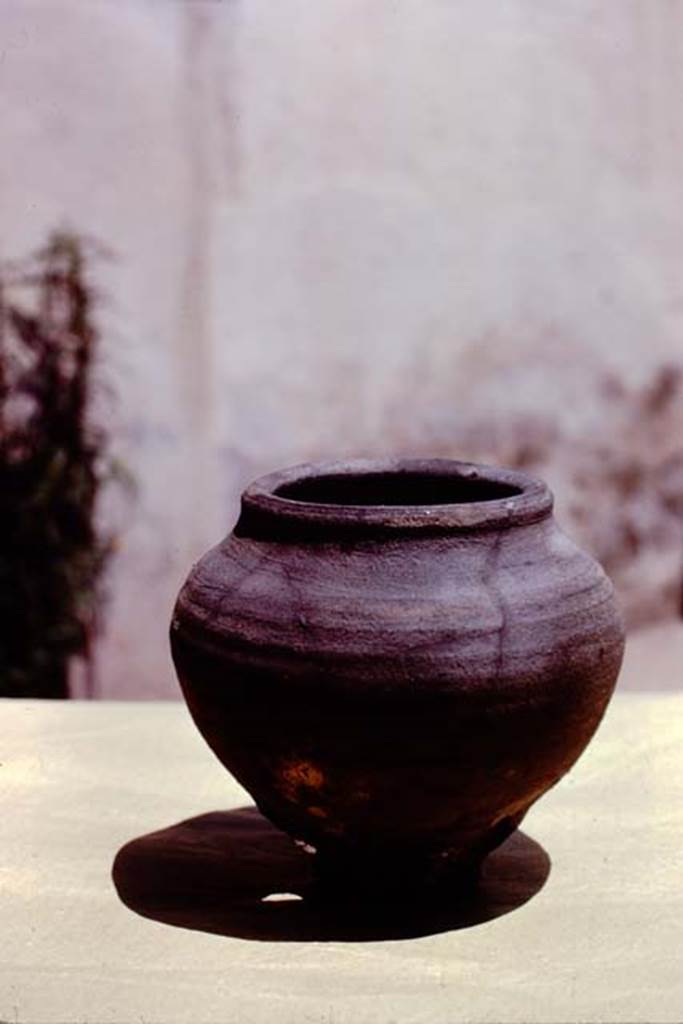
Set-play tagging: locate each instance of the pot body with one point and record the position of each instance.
(397, 684)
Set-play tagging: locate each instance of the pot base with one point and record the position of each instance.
(377, 874)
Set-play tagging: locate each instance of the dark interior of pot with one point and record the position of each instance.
(395, 488)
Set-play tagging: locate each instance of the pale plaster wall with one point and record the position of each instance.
(341, 227)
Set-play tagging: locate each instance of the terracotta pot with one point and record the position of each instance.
(397, 658)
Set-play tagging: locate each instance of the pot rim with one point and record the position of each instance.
(527, 499)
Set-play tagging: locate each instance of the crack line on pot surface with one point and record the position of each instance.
(489, 576)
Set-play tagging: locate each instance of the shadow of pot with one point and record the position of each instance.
(233, 873)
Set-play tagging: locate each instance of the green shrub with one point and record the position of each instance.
(53, 462)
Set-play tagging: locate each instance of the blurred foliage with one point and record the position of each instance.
(53, 462)
(634, 471)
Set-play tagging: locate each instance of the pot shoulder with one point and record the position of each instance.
(500, 604)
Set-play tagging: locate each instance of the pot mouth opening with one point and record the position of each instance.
(408, 488)
(367, 496)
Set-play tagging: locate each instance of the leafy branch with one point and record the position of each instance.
(53, 462)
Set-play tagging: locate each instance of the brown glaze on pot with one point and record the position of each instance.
(397, 658)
